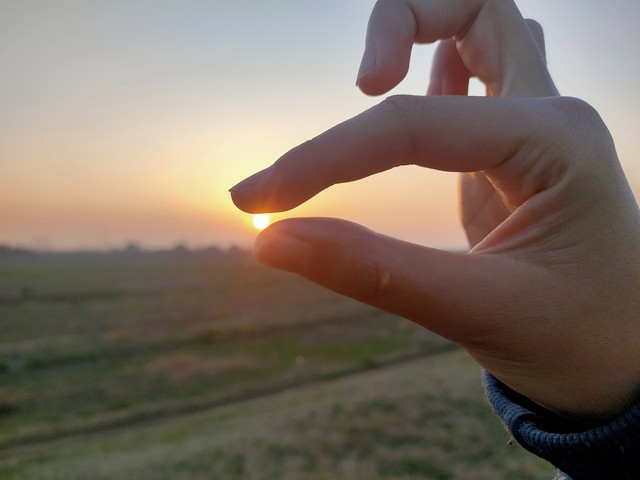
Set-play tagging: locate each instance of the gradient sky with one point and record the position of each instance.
(129, 120)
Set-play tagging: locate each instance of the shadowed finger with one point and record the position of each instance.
(493, 40)
(453, 294)
(449, 75)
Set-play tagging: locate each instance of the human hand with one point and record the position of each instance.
(547, 299)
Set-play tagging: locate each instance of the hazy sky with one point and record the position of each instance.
(129, 120)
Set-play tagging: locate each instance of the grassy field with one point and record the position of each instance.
(205, 365)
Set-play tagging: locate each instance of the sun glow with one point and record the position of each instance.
(261, 221)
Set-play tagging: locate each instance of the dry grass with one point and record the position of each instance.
(179, 368)
(129, 346)
(426, 419)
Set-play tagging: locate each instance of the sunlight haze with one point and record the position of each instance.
(129, 121)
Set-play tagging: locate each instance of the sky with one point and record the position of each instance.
(128, 120)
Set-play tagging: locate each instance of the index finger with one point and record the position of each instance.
(445, 133)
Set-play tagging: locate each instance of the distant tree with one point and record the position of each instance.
(236, 252)
(213, 251)
(180, 249)
(7, 251)
(132, 248)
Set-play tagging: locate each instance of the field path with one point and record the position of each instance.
(147, 414)
(422, 418)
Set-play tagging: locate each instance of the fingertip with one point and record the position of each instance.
(368, 62)
(336, 254)
(385, 76)
(246, 195)
(534, 27)
(264, 193)
(249, 201)
(278, 249)
(253, 181)
(537, 32)
(390, 37)
(375, 86)
(255, 202)
(243, 202)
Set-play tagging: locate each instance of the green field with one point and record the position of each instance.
(205, 365)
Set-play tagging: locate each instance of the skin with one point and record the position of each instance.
(547, 297)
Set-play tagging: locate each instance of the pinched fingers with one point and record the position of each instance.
(450, 75)
(482, 208)
(492, 38)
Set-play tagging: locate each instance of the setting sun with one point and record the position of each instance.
(261, 221)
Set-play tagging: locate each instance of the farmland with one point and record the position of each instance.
(203, 364)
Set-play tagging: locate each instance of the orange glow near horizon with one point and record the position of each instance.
(99, 149)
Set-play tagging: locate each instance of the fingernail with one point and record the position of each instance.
(282, 251)
(252, 181)
(368, 64)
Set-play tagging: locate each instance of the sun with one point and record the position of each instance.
(261, 221)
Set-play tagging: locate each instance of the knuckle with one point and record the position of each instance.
(348, 261)
(362, 276)
(401, 110)
(574, 106)
(361, 280)
(576, 112)
(582, 128)
(399, 105)
(360, 272)
(584, 146)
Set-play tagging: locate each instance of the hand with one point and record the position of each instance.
(547, 299)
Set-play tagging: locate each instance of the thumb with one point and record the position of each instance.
(458, 296)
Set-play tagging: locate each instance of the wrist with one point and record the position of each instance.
(599, 451)
(593, 399)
